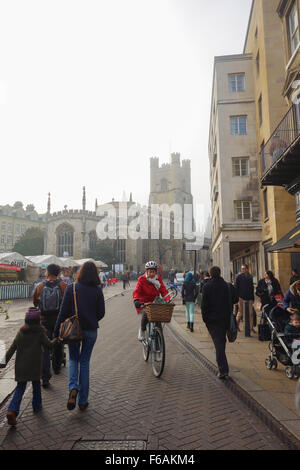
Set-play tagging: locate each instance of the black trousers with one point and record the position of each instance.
(218, 335)
(144, 320)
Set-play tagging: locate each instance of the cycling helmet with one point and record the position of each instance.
(151, 265)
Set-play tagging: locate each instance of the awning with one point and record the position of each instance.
(288, 243)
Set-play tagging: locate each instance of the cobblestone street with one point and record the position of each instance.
(188, 408)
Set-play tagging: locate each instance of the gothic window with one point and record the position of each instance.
(65, 239)
(92, 240)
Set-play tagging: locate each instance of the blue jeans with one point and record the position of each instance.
(18, 395)
(189, 308)
(79, 364)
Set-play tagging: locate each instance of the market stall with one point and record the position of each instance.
(15, 276)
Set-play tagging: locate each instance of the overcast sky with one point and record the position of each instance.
(90, 90)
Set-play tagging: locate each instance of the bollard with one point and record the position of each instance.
(246, 318)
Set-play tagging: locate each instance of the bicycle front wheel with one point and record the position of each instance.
(158, 352)
(146, 347)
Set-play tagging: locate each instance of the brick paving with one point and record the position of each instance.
(188, 408)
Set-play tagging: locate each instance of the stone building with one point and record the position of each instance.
(15, 221)
(280, 147)
(170, 184)
(235, 208)
(274, 63)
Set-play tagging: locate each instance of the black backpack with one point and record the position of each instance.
(51, 297)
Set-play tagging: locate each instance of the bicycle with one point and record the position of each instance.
(173, 289)
(154, 344)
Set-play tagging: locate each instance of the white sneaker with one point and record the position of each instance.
(141, 335)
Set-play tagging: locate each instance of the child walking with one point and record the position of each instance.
(29, 361)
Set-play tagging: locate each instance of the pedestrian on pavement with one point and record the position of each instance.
(124, 279)
(203, 281)
(171, 276)
(267, 288)
(189, 293)
(245, 288)
(48, 297)
(295, 276)
(218, 299)
(149, 286)
(291, 299)
(29, 343)
(91, 309)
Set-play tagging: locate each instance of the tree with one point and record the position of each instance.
(31, 243)
(103, 251)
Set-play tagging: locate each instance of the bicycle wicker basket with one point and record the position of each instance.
(159, 312)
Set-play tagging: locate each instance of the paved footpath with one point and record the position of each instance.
(188, 408)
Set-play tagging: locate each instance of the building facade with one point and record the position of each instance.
(235, 208)
(265, 41)
(15, 221)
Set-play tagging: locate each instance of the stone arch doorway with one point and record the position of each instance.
(64, 240)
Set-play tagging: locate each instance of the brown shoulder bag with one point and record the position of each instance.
(70, 330)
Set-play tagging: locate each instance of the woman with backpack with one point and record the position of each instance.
(91, 309)
(189, 295)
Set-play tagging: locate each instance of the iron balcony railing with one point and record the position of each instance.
(282, 138)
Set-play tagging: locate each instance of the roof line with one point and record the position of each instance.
(248, 27)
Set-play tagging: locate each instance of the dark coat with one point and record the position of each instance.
(90, 304)
(189, 292)
(245, 287)
(291, 298)
(263, 293)
(203, 282)
(29, 343)
(218, 298)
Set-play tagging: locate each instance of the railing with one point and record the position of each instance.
(15, 291)
(283, 137)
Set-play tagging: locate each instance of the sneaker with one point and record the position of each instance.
(141, 335)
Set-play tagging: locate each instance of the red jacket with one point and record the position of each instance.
(146, 292)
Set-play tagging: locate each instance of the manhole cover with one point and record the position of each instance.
(109, 445)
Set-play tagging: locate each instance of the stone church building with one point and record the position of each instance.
(73, 232)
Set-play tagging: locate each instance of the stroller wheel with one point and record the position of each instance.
(274, 364)
(289, 371)
(269, 362)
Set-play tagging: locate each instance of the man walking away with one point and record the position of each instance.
(218, 298)
(245, 289)
(48, 297)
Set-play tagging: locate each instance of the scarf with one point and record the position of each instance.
(154, 281)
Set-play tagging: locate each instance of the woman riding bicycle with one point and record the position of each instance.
(149, 286)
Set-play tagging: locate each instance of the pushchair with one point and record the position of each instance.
(282, 349)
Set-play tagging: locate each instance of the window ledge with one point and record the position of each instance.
(292, 57)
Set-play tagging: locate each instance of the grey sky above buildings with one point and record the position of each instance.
(89, 91)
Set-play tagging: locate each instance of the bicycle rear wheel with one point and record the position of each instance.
(146, 346)
(158, 352)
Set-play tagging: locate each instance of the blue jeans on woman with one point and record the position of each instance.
(18, 395)
(79, 364)
(189, 308)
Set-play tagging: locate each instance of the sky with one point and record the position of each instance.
(91, 90)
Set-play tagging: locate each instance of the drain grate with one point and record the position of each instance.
(110, 445)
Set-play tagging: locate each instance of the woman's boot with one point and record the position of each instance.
(192, 327)
(188, 325)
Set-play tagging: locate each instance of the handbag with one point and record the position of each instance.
(232, 331)
(70, 330)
